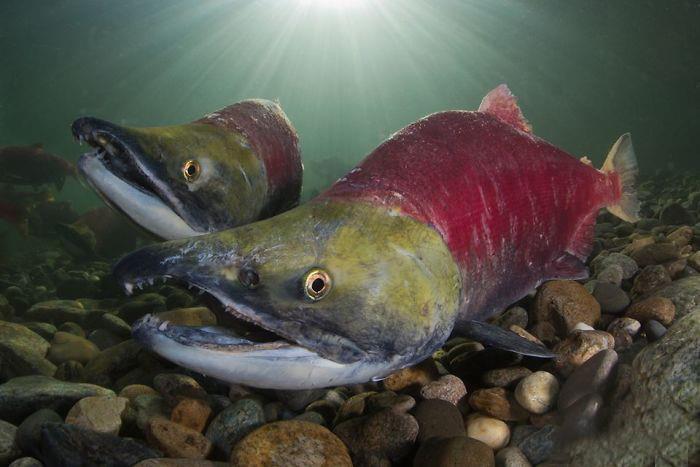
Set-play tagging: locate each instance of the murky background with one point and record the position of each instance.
(623, 389)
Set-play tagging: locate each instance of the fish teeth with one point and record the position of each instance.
(163, 326)
(129, 288)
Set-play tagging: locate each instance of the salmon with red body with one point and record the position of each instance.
(445, 223)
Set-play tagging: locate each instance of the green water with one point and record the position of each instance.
(349, 73)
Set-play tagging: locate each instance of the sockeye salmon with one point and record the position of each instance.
(234, 166)
(447, 222)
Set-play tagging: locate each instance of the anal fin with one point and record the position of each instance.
(493, 336)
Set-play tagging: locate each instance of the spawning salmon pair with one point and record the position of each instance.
(444, 224)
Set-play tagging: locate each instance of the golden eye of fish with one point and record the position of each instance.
(191, 170)
(249, 278)
(317, 284)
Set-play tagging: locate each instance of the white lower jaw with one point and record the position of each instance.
(143, 208)
(288, 367)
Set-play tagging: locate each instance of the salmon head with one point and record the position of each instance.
(232, 167)
(348, 291)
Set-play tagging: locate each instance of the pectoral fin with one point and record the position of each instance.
(494, 336)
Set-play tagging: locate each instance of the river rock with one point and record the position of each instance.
(458, 451)
(581, 417)
(384, 436)
(146, 407)
(25, 394)
(176, 440)
(29, 431)
(45, 330)
(191, 413)
(102, 414)
(72, 328)
(654, 330)
(9, 450)
(490, 431)
(140, 306)
(112, 362)
(413, 376)
(684, 293)
(676, 214)
(115, 325)
(565, 303)
(22, 352)
(650, 279)
(63, 444)
(297, 400)
(593, 376)
(537, 392)
(498, 403)
(448, 388)
(291, 443)
(655, 253)
(175, 387)
(504, 377)
(26, 462)
(627, 325)
(67, 346)
(578, 347)
(103, 338)
(659, 308)
(438, 419)
(353, 407)
(612, 298)
(511, 457)
(516, 315)
(133, 390)
(539, 445)
(657, 419)
(626, 264)
(234, 422)
(60, 311)
(168, 462)
(70, 371)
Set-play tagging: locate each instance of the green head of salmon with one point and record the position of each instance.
(230, 168)
(351, 291)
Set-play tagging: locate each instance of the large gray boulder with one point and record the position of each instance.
(657, 422)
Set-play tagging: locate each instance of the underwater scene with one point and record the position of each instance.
(450, 233)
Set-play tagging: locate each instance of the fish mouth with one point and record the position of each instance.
(175, 263)
(129, 180)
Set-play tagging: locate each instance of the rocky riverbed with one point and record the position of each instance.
(624, 389)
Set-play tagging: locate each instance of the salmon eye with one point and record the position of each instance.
(248, 278)
(317, 284)
(191, 170)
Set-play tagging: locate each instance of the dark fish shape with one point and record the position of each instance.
(17, 207)
(100, 233)
(32, 165)
(234, 166)
(444, 224)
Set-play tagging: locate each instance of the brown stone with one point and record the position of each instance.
(659, 308)
(290, 443)
(564, 304)
(498, 403)
(416, 376)
(458, 451)
(102, 414)
(656, 253)
(133, 390)
(578, 347)
(176, 440)
(504, 377)
(682, 236)
(192, 413)
(66, 346)
(448, 388)
(649, 279)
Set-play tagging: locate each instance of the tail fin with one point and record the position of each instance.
(622, 162)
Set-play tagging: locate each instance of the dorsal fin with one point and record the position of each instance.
(501, 103)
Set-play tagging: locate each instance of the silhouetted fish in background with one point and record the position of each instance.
(32, 165)
(234, 166)
(444, 224)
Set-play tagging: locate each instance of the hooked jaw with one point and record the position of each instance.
(129, 180)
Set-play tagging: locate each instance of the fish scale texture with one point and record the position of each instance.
(506, 203)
